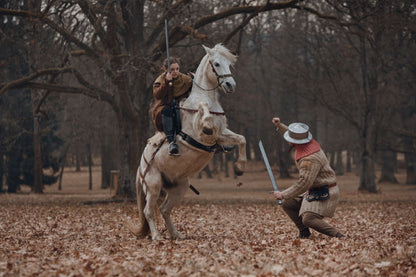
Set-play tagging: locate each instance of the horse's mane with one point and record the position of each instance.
(225, 52)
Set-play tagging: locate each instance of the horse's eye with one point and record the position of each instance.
(217, 64)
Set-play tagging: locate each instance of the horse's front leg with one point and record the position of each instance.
(230, 138)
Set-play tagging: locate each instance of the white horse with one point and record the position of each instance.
(204, 127)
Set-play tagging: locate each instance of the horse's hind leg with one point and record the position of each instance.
(153, 188)
(173, 197)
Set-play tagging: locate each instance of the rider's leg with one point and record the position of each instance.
(292, 207)
(177, 118)
(316, 222)
(169, 129)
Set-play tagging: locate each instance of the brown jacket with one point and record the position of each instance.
(314, 172)
(164, 95)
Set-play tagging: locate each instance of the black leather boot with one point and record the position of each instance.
(169, 129)
(304, 234)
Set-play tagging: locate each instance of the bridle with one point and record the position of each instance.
(219, 83)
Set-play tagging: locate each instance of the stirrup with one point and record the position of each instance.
(173, 149)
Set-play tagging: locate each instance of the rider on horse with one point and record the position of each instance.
(168, 89)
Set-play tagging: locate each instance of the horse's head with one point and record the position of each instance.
(221, 59)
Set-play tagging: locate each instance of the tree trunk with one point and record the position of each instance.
(248, 145)
(339, 167)
(207, 171)
(410, 159)
(332, 159)
(1, 172)
(77, 161)
(348, 169)
(109, 157)
(367, 167)
(61, 174)
(13, 165)
(226, 170)
(284, 159)
(106, 166)
(62, 165)
(37, 174)
(132, 140)
(368, 141)
(388, 160)
(89, 165)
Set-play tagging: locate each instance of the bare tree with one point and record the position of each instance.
(356, 81)
(123, 40)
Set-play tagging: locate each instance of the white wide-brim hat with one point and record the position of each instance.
(298, 133)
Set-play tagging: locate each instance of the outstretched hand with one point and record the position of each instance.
(276, 121)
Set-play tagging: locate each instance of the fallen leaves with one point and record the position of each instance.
(222, 240)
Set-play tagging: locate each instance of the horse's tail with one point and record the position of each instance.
(142, 230)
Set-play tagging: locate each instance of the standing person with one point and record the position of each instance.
(315, 195)
(168, 89)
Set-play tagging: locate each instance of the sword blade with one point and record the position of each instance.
(167, 43)
(269, 169)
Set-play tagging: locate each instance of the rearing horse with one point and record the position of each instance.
(204, 127)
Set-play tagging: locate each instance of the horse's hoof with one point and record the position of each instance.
(237, 170)
(157, 237)
(178, 236)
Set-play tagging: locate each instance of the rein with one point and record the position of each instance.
(218, 79)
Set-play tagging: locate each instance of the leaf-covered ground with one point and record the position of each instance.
(232, 230)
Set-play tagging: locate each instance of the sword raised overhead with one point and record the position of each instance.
(167, 43)
(269, 169)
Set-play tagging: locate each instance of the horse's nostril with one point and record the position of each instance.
(207, 131)
(228, 84)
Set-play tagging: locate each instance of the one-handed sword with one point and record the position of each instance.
(269, 169)
(167, 48)
(167, 43)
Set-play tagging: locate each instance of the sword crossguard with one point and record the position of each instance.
(278, 201)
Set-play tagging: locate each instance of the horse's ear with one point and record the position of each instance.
(208, 50)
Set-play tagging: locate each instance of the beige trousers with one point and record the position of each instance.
(308, 219)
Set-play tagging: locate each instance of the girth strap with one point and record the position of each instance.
(196, 144)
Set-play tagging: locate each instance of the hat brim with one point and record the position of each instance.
(297, 141)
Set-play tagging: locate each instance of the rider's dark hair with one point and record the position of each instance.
(171, 60)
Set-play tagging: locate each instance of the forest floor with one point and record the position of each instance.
(233, 228)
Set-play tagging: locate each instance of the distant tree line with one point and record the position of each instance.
(76, 80)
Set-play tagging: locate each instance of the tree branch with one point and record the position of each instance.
(72, 90)
(161, 24)
(58, 28)
(21, 82)
(178, 34)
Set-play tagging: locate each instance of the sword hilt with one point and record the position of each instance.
(278, 201)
